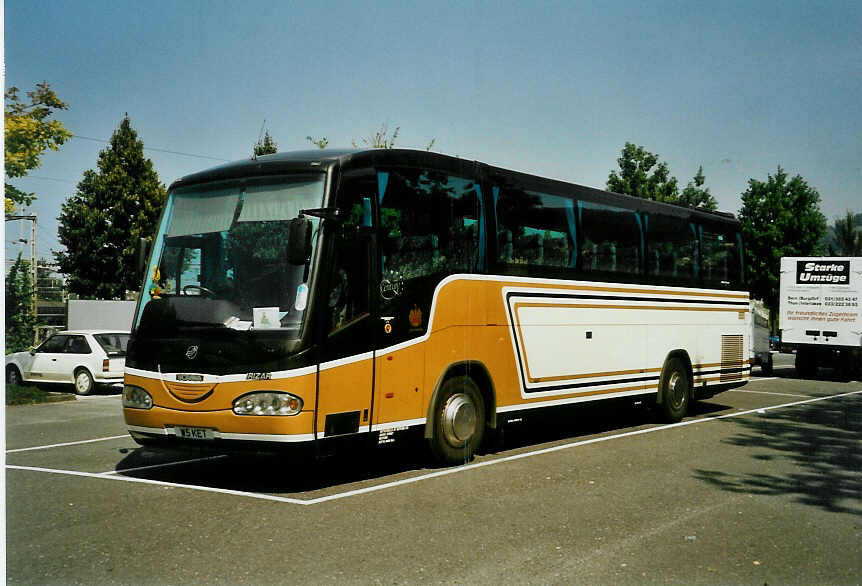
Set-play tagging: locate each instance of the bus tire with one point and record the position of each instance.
(458, 422)
(675, 386)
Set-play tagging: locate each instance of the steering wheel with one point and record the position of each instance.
(199, 288)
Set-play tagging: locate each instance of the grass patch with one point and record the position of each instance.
(30, 395)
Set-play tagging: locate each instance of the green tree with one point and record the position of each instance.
(380, 139)
(20, 321)
(114, 206)
(320, 143)
(29, 131)
(780, 217)
(642, 175)
(265, 146)
(848, 240)
(695, 195)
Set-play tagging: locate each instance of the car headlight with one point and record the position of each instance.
(136, 398)
(267, 403)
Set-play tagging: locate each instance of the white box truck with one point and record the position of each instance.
(99, 315)
(820, 314)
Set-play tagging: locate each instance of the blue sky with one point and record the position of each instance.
(552, 88)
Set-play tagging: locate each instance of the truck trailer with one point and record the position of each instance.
(820, 315)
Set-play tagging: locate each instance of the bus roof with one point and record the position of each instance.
(323, 159)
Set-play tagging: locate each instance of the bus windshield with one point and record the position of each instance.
(220, 259)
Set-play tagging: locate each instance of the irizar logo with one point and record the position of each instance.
(832, 273)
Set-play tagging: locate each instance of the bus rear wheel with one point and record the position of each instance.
(675, 388)
(458, 422)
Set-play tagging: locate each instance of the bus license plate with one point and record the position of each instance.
(196, 433)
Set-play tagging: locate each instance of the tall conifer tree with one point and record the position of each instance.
(20, 321)
(100, 224)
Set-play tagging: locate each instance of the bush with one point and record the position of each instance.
(30, 395)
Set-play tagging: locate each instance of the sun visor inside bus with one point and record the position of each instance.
(267, 203)
(197, 214)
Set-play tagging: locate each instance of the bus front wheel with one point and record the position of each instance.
(459, 421)
(675, 390)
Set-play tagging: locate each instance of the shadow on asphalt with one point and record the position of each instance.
(285, 474)
(822, 442)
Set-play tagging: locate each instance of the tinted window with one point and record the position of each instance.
(348, 292)
(671, 247)
(77, 345)
(612, 239)
(535, 228)
(113, 343)
(53, 344)
(429, 223)
(721, 256)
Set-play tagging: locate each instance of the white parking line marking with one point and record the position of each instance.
(429, 476)
(768, 393)
(90, 441)
(159, 483)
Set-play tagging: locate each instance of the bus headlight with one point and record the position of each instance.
(267, 403)
(136, 398)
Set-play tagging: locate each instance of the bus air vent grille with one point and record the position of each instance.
(187, 393)
(731, 359)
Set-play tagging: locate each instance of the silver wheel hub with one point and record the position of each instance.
(677, 388)
(459, 419)
(82, 381)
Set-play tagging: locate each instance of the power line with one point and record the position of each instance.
(102, 140)
(49, 179)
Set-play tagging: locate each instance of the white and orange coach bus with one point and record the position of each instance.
(300, 298)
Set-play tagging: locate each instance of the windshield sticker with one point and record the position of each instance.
(415, 317)
(266, 318)
(234, 323)
(301, 297)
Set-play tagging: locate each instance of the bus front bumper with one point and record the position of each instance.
(219, 430)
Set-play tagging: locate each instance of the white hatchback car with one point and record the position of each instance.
(85, 358)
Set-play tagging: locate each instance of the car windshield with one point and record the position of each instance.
(113, 344)
(221, 260)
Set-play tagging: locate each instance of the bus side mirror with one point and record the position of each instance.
(299, 241)
(142, 250)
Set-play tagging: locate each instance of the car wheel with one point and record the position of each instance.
(676, 390)
(83, 382)
(459, 422)
(13, 375)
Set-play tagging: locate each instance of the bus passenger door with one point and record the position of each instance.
(346, 375)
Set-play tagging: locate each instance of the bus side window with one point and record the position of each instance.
(671, 247)
(535, 228)
(348, 289)
(430, 223)
(721, 257)
(612, 238)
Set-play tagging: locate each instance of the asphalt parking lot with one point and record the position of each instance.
(760, 485)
